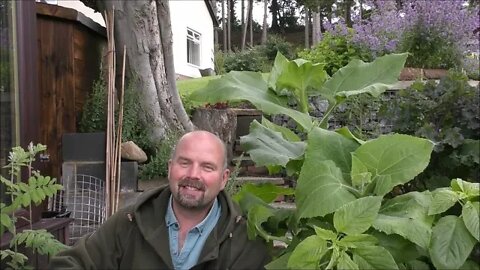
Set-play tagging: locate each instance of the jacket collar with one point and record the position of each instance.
(150, 213)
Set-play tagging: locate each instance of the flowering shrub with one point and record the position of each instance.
(436, 33)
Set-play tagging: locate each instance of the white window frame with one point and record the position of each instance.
(194, 38)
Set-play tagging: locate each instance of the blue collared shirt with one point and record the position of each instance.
(195, 239)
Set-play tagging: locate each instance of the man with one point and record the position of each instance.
(191, 224)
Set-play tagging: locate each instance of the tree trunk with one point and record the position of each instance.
(166, 39)
(229, 26)
(244, 30)
(224, 24)
(265, 25)
(348, 12)
(307, 28)
(316, 28)
(246, 24)
(274, 9)
(250, 21)
(147, 62)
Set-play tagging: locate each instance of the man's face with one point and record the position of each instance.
(196, 174)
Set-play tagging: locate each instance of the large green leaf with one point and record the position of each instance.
(268, 192)
(267, 147)
(401, 249)
(299, 76)
(470, 216)
(407, 215)
(321, 189)
(256, 216)
(451, 243)
(393, 160)
(286, 133)
(329, 145)
(357, 216)
(345, 262)
(442, 200)
(308, 253)
(245, 85)
(358, 77)
(280, 263)
(373, 257)
(470, 190)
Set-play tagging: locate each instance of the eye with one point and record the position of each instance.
(209, 168)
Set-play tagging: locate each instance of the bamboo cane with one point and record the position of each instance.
(120, 128)
(107, 135)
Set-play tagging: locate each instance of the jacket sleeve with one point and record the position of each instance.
(248, 254)
(101, 250)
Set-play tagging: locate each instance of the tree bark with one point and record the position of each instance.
(246, 24)
(137, 27)
(265, 25)
(224, 24)
(316, 28)
(229, 26)
(307, 28)
(250, 21)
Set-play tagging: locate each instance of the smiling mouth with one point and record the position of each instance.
(191, 185)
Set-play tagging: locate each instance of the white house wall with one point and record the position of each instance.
(191, 14)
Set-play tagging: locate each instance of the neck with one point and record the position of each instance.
(188, 218)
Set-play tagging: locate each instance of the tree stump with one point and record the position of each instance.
(222, 122)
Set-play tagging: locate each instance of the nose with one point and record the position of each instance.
(193, 172)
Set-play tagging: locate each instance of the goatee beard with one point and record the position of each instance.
(186, 200)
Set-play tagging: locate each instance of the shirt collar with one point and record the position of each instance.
(170, 218)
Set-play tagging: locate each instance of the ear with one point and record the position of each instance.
(225, 176)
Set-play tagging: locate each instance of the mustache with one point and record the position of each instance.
(187, 182)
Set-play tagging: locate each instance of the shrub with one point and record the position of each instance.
(335, 51)
(94, 114)
(157, 165)
(247, 60)
(275, 44)
(446, 113)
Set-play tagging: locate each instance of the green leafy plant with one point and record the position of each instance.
(247, 60)
(94, 114)
(446, 113)
(157, 165)
(24, 194)
(334, 52)
(346, 214)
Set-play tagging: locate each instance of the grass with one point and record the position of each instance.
(186, 87)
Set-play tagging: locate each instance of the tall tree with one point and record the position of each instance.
(265, 24)
(143, 26)
(307, 27)
(246, 24)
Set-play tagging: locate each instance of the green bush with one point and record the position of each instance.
(429, 49)
(335, 52)
(94, 114)
(94, 117)
(274, 44)
(157, 165)
(247, 60)
(446, 113)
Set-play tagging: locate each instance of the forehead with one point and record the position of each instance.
(200, 147)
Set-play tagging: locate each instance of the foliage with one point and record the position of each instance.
(446, 113)
(157, 165)
(219, 61)
(435, 32)
(334, 51)
(345, 216)
(24, 194)
(94, 114)
(247, 60)
(276, 44)
(94, 117)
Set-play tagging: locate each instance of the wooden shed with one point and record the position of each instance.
(70, 51)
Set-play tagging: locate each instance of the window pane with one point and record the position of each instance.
(193, 47)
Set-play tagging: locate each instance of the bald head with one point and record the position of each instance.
(202, 136)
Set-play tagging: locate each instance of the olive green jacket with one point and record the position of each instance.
(137, 238)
